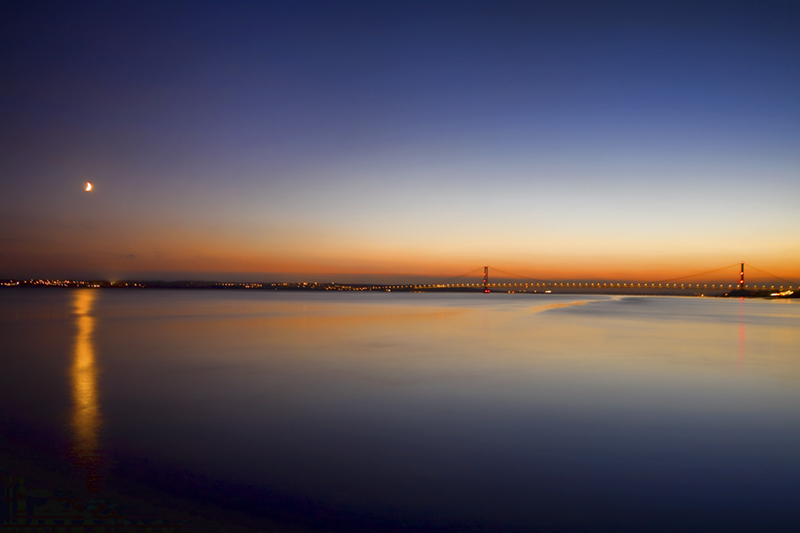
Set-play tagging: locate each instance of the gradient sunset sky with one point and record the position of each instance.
(382, 140)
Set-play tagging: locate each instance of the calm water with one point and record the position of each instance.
(415, 412)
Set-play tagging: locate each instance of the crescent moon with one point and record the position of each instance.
(88, 186)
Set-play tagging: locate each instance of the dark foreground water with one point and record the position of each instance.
(410, 412)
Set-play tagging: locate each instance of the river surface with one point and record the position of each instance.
(412, 412)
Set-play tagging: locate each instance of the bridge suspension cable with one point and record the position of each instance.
(768, 274)
(459, 276)
(516, 275)
(694, 275)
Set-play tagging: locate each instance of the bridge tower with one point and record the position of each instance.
(741, 277)
(486, 278)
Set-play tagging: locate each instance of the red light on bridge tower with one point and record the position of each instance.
(486, 279)
(741, 276)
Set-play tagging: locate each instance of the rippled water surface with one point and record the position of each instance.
(415, 412)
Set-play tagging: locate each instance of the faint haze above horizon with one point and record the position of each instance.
(392, 141)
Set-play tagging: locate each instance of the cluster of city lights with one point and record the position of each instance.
(70, 283)
(788, 292)
(50, 283)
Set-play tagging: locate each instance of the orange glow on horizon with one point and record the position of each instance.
(150, 251)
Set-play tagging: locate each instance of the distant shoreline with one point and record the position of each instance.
(597, 288)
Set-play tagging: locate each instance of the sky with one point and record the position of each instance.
(391, 141)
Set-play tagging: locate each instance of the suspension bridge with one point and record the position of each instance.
(712, 283)
(725, 281)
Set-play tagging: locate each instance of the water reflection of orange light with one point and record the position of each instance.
(86, 407)
(742, 337)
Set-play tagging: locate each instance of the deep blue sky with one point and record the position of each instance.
(398, 137)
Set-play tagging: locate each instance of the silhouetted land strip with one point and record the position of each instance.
(709, 290)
